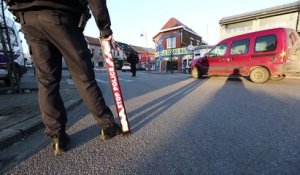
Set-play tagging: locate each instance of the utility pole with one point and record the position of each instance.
(147, 51)
(171, 59)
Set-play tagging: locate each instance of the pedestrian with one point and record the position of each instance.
(53, 29)
(133, 59)
(168, 66)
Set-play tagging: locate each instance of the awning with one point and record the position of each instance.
(118, 58)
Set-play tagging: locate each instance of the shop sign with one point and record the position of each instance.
(168, 52)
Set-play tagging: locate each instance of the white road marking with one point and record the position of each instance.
(70, 81)
(101, 81)
(140, 75)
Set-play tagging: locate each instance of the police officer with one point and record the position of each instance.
(133, 59)
(51, 30)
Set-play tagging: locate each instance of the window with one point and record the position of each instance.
(191, 41)
(219, 50)
(171, 43)
(265, 43)
(240, 47)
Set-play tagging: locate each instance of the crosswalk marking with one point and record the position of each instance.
(69, 81)
(105, 82)
(101, 81)
(139, 76)
(127, 80)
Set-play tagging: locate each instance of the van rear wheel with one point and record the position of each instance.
(259, 75)
(195, 73)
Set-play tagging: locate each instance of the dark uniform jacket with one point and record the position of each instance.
(98, 8)
(133, 58)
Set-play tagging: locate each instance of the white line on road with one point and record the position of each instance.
(105, 82)
(70, 81)
(121, 79)
(142, 75)
(101, 81)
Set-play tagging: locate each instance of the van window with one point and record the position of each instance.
(219, 50)
(239, 47)
(265, 43)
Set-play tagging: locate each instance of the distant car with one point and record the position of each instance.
(125, 67)
(28, 65)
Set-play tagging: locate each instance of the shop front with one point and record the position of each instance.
(172, 59)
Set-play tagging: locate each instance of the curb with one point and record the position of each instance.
(23, 129)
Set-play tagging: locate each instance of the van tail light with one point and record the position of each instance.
(282, 55)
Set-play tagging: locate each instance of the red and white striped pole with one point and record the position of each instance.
(107, 45)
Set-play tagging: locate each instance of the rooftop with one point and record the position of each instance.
(173, 24)
(263, 13)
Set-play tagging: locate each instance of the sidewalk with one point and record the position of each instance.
(19, 112)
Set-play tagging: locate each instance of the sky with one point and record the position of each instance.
(131, 18)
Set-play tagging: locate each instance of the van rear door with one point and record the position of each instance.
(293, 52)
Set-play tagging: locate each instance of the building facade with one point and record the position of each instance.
(119, 54)
(146, 57)
(172, 43)
(95, 48)
(280, 16)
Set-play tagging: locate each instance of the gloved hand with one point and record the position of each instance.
(109, 39)
(107, 45)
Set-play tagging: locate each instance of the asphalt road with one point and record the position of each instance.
(183, 126)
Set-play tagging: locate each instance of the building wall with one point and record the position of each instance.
(97, 55)
(166, 35)
(289, 20)
(183, 39)
(190, 39)
(145, 57)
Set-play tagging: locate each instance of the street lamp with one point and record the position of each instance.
(148, 59)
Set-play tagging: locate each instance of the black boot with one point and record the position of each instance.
(60, 144)
(110, 132)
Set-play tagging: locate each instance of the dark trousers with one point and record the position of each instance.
(133, 69)
(52, 34)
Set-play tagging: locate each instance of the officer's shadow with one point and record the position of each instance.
(235, 76)
(84, 135)
(146, 113)
(138, 118)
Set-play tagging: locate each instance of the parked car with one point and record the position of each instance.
(12, 60)
(125, 67)
(118, 64)
(260, 56)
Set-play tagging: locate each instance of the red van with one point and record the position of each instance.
(261, 55)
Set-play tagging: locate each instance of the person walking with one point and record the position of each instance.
(133, 59)
(53, 29)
